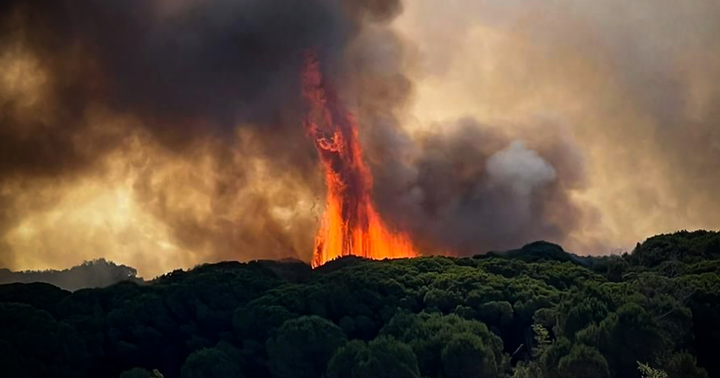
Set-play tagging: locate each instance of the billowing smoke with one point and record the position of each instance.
(520, 170)
(633, 84)
(167, 133)
(468, 188)
(164, 133)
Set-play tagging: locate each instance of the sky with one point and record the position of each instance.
(632, 84)
(166, 134)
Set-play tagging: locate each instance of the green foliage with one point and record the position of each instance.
(536, 251)
(466, 355)
(436, 339)
(536, 312)
(616, 268)
(684, 365)
(216, 362)
(683, 246)
(42, 296)
(649, 372)
(583, 361)
(442, 300)
(549, 356)
(257, 321)
(542, 339)
(576, 312)
(627, 336)
(302, 347)
(496, 312)
(33, 344)
(89, 274)
(382, 358)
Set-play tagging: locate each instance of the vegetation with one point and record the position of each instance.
(95, 273)
(534, 312)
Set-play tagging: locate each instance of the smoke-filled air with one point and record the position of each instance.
(170, 133)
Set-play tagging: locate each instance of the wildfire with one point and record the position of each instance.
(350, 224)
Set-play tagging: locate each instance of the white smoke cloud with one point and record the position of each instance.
(519, 169)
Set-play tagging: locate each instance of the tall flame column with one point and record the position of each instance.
(350, 224)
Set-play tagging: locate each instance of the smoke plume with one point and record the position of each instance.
(632, 85)
(468, 188)
(167, 133)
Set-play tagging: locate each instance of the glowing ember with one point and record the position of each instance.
(350, 225)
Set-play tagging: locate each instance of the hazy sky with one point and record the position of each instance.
(632, 84)
(488, 124)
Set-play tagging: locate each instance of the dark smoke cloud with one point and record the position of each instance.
(459, 186)
(182, 68)
(468, 188)
(635, 83)
(164, 86)
(168, 133)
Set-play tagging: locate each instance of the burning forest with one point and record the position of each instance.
(221, 136)
(350, 224)
(216, 135)
(359, 188)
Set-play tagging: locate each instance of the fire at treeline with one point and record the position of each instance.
(376, 162)
(182, 128)
(537, 311)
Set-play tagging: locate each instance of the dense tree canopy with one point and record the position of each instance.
(533, 312)
(382, 358)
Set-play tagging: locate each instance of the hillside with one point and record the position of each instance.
(95, 273)
(537, 311)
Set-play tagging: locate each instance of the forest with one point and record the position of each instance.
(537, 311)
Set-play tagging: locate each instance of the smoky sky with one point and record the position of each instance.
(94, 79)
(180, 67)
(467, 188)
(163, 134)
(633, 85)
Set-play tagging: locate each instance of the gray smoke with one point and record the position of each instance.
(633, 82)
(193, 108)
(166, 87)
(468, 188)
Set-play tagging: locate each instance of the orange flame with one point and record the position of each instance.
(350, 225)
